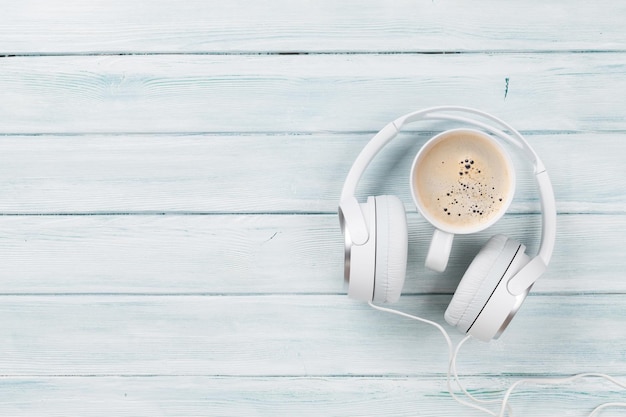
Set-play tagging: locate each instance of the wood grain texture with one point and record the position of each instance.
(198, 26)
(269, 254)
(259, 173)
(325, 335)
(305, 93)
(306, 396)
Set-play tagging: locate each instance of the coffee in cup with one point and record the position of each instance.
(462, 181)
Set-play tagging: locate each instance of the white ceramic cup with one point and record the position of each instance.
(462, 181)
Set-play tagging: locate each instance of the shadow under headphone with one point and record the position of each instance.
(376, 238)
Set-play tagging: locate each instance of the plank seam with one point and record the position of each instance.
(8, 54)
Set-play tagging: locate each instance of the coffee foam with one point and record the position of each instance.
(463, 180)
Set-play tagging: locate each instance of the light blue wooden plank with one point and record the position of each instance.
(306, 396)
(311, 93)
(259, 173)
(55, 26)
(269, 254)
(295, 336)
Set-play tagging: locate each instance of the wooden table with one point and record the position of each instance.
(169, 177)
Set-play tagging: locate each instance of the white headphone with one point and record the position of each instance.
(376, 238)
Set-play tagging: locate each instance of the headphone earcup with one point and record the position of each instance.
(480, 281)
(391, 249)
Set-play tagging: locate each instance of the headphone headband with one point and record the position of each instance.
(355, 222)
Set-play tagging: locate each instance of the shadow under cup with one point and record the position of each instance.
(462, 181)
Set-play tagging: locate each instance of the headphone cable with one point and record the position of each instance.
(451, 360)
(504, 403)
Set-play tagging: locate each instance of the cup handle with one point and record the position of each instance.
(439, 251)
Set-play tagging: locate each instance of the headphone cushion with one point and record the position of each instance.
(473, 285)
(391, 249)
